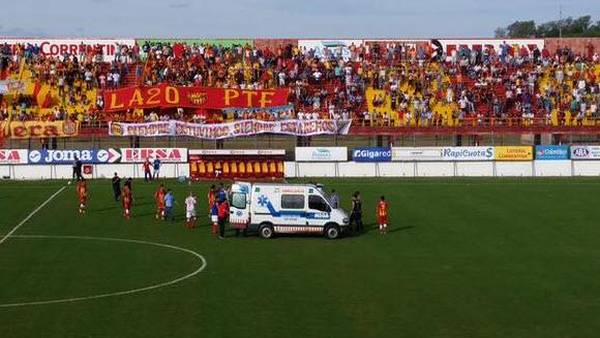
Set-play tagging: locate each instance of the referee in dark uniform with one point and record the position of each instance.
(356, 215)
(77, 164)
(116, 184)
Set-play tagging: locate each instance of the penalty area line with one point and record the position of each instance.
(31, 214)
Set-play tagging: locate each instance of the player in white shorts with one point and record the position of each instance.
(190, 210)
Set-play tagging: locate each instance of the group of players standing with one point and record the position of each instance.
(124, 195)
(218, 205)
(381, 213)
(165, 200)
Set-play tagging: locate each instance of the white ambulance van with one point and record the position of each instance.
(274, 208)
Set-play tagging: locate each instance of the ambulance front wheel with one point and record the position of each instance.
(332, 231)
(266, 231)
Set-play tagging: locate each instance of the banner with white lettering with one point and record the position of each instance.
(68, 156)
(78, 47)
(230, 129)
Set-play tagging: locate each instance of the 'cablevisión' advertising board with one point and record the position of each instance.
(552, 153)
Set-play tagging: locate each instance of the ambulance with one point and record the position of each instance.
(274, 208)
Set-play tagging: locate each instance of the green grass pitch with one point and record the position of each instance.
(464, 258)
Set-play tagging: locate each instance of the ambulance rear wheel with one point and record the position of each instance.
(266, 231)
(332, 231)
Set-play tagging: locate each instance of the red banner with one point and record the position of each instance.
(166, 96)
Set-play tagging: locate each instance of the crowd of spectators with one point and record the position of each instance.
(411, 84)
(73, 78)
(86, 70)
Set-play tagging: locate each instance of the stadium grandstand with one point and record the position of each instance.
(384, 87)
(297, 178)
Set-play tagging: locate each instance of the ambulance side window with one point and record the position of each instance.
(292, 201)
(238, 200)
(316, 202)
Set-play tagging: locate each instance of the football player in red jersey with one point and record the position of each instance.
(159, 198)
(127, 199)
(382, 215)
(82, 195)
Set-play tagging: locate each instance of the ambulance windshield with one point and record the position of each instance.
(238, 200)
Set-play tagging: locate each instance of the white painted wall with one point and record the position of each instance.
(183, 170)
(32, 172)
(289, 169)
(338, 169)
(483, 169)
(552, 168)
(514, 169)
(41, 172)
(354, 169)
(314, 169)
(586, 168)
(4, 171)
(397, 169)
(107, 171)
(62, 172)
(435, 169)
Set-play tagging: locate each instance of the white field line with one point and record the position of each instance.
(112, 294)
(407, 182)
(31, 214)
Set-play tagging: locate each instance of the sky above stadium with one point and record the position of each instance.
(277, 18)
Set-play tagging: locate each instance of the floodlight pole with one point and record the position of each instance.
(559, 23)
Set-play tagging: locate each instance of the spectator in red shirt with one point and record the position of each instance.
(223, 216)
(147, 170)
